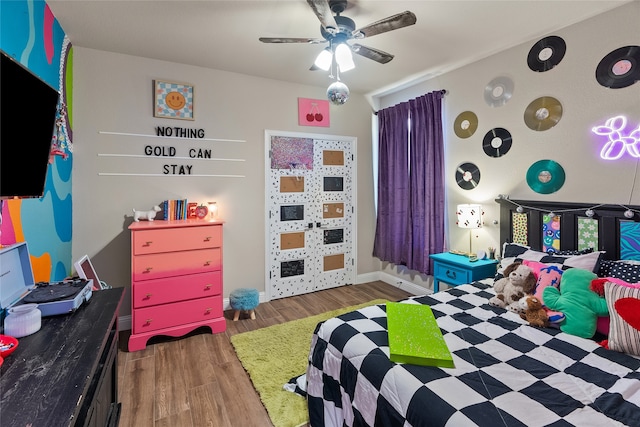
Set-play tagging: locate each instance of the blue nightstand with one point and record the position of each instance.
(458, 270)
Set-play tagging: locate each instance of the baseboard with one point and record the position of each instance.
(405, 285)
(124, 322)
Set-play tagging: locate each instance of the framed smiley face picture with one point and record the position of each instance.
(172, 100)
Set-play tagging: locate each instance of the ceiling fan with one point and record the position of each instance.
(338, 30)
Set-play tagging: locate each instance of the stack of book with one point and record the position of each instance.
(178, 209)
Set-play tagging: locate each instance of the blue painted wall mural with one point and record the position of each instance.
(30, 34)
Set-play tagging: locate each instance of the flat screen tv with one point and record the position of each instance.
(27, 119)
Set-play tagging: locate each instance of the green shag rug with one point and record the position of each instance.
(275, 354)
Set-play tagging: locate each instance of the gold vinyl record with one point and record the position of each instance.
(543, 113)
(465, 124)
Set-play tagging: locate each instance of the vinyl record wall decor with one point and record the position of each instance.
(467, 176)
(498, 91)
(545, 176)
(465, 124)
(543, 113)
(619, 68)
(496, 142)
(546, 53)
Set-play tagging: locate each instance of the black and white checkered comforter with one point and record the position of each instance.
(507, 373)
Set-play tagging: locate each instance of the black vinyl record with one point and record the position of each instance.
(546, 53)
(620, 68)
(545, 176)
(496, 142)
(467, 176)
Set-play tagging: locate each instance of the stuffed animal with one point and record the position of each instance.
(580, 305)
(533, 312)
(517, 282)
(148, 215)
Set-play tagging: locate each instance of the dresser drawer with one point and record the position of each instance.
(173, 289)
(180, 313)
(176, 239)
(451, 274)
(157, 266)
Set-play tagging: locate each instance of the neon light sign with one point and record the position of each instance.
(618, 143)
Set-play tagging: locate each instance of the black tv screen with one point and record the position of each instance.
(27, 119)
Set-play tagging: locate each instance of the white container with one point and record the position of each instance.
(23, 320)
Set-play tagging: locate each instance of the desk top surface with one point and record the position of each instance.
(43, 382)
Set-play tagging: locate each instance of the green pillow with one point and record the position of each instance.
(580, 305)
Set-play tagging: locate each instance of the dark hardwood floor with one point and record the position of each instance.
(198, 381)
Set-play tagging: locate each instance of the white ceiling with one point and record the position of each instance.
(224, 34)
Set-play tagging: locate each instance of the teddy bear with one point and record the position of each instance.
(579, 303)
(533, 312)
(517, 282)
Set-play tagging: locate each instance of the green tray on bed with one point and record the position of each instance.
(415, 337)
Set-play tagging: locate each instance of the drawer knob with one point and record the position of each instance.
(451, 274)
(148, 296)
(207, 286)
(149, 321)
(207, 263)
(148, 269)
(148, 243)
(208, 310)
(207, 239)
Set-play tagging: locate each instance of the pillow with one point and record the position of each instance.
(513, 249)
(624, 312)
(604, 269)
(606, 265)
(547, 275)
(569, 252)
(624, 271)
(589, 261)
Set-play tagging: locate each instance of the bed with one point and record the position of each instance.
(506, 373)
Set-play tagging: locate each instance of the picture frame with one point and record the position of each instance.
(313, 112)
(173, 100)
(85, 270)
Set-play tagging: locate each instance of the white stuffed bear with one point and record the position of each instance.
(517, 282)
(148, 215)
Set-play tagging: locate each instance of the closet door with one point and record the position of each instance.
(310, 212)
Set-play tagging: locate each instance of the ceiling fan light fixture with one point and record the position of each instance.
(324, 59)
(344, 58)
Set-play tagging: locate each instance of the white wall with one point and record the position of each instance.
(571, 143)
(113, 93)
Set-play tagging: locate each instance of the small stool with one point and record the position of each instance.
(244, 299)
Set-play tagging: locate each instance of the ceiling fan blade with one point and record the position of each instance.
(371, 53)
(394, 22)
(290, 40)
(323, 12)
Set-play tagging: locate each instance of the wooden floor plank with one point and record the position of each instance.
(171, 393)
(137, 392)
(197, 380)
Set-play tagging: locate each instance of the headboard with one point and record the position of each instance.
(618, 235)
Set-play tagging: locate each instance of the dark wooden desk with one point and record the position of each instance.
(66, 373)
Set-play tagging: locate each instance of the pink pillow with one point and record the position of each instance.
(548, 275)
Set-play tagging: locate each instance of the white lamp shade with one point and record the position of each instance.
(469, 216)
(324, 59)
(344, 57)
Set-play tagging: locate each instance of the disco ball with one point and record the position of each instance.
(338, 93)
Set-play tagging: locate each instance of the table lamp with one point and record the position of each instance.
(469, 216)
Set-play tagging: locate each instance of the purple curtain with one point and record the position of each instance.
(410, 223)
(392, 223)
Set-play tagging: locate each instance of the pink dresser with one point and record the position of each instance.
(176, 278)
